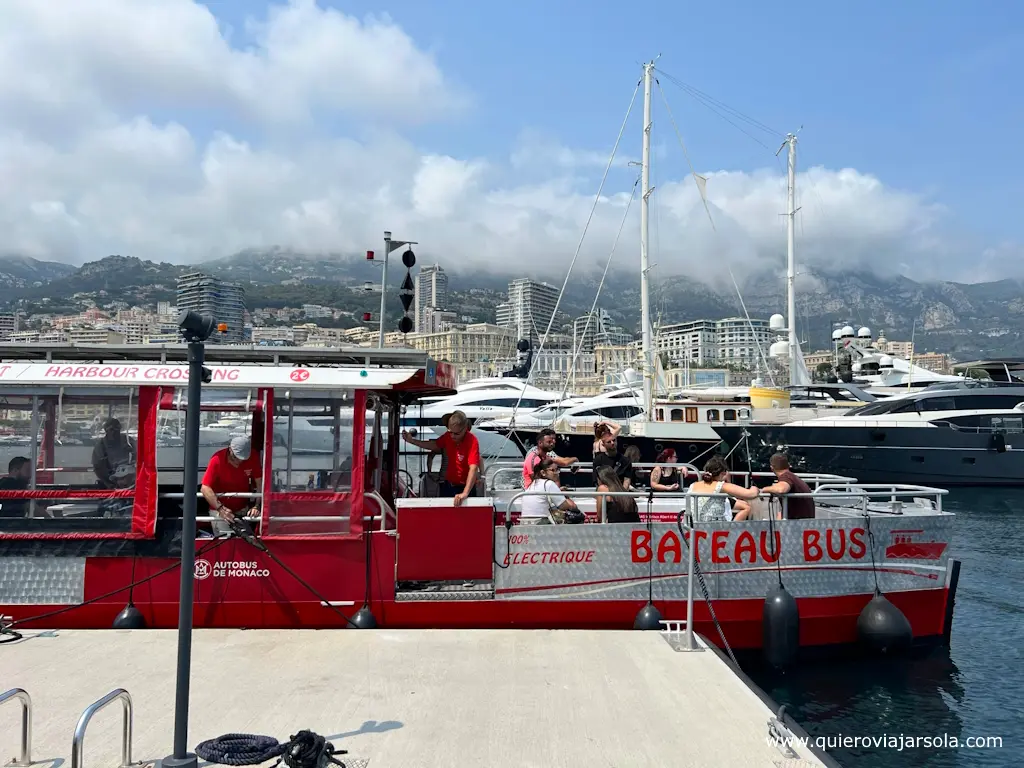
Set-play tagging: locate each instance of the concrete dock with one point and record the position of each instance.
(400, 699)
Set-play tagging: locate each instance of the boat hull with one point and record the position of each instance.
(909, 455)
(824, 563)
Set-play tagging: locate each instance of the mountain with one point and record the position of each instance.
(24, 272)
(965, 320)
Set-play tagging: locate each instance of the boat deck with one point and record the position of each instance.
(400, 698)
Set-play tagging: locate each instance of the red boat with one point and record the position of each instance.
(342, 523)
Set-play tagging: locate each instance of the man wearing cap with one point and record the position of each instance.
(110, 452)
(231, 470)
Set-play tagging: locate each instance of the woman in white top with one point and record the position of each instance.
(544, 495)
(715, 479)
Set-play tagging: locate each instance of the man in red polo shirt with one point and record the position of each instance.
(232, 470)
(462, 454)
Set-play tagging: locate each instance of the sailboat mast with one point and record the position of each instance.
(791, 263)
(645, 299)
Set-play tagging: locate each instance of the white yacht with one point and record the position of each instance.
(489, 398)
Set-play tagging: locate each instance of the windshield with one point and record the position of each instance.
(900, 405)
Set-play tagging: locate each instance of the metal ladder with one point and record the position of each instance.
(25, 758)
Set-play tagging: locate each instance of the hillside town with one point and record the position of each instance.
(586, 353)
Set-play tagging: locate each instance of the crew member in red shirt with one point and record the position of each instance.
(462, 454)
(232, 470)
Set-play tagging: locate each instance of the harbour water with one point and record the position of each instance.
(970, 690)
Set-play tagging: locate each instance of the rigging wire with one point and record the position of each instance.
(707, 210)
(600, 286)
(579, 247)
(718, 107)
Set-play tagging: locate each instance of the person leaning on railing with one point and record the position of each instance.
(731, 504)
(463, 453)
(797, 507)
(544, 450)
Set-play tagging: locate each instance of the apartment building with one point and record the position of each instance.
(732, 340)
(430, 293)
(529, 308)
(474, 351)
(222, 300)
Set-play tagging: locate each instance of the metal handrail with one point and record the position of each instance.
(78, 742)
(21, 695)
(386, 511)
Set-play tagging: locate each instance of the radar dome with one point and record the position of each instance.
(864, 333)
(631, 375)
(777, 322)
(885, 362)
(779, 349)
(847, 330)
(837, 335)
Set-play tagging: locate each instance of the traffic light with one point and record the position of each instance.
(407, 292)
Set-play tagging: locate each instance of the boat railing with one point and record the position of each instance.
(514, 469)
(590, 493)
(78, 742)
(24, 758)
(862, 495)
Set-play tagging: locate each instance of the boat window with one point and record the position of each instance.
(885, 406)
(677, 414)
(937, 404)
(75, 452)
(312, 442)
(312, 463)
(992, 402)
(713, 414)
(225, 413)
(966, 423)
(691, 415)
(1013, 424)
(729, 415)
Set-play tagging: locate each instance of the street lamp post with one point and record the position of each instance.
(196, 329)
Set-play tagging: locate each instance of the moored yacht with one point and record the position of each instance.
(966, 432)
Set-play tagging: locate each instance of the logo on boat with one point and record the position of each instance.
(230, 569)
(299, 374)
(905, 546)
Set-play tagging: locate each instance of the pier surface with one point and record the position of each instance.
(400, 699)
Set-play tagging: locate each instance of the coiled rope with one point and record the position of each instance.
(306, 749)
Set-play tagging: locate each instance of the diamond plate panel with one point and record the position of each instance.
(818, 558)
(42, 580)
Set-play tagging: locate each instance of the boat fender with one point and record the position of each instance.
(998, 442)
(364, 619)
(130, 617)
(882, 627)
(780, 627)
(648, 618)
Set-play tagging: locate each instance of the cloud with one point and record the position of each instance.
(153, 129)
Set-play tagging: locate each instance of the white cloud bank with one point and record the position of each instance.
(122, 125)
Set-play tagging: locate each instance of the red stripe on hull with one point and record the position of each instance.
(824, 621)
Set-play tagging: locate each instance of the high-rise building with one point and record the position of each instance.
(431, 290)
(224, 301)
(529, 308)
(732, 340)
